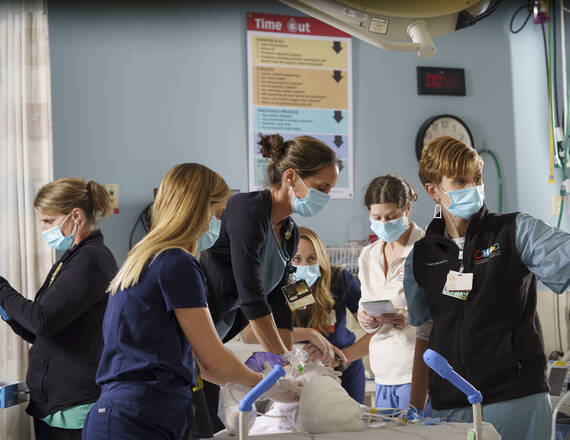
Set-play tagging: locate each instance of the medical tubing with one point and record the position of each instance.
(499, 176)
(267, 382)
(440, 365)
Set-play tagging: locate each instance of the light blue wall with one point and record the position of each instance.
(136, 91)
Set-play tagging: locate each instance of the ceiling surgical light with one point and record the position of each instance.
(403, 25)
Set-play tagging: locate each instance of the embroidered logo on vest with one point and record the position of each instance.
(481, 255)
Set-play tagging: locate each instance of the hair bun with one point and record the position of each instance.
(272, 146)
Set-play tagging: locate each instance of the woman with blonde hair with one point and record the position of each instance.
(64, 321)
(157, 319)
(323, 324)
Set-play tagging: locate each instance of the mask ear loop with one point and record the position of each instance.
(437, 211)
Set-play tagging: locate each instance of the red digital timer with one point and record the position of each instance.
(441, 81)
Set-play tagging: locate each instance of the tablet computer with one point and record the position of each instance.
(378, 307)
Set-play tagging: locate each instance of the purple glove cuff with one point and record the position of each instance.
(257, 360)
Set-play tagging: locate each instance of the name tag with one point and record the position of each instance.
(458, 285)
(459, 281)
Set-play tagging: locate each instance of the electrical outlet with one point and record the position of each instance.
(113, 190)
(556, 201)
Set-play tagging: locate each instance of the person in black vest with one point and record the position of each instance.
(64, 321)
(484, 322)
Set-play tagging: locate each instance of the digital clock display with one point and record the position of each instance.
(441, 81)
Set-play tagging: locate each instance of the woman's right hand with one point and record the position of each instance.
(397, 320)
(367, 321)
(319, 348)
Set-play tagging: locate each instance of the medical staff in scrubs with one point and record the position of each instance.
(323, 324)
(157, 320)
(250, 262)
(64, 320)
(246, 267)
(483, 322)
(389, 201)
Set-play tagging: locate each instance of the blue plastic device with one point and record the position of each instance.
(267, 382)
(440, 365)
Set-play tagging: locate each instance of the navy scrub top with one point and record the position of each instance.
(145, 348)
(346, 293)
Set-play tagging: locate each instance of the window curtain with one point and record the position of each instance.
(26, 164)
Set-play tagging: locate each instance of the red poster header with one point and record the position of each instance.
(289, 24)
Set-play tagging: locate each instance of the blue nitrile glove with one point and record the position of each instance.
(258, 360)
(4, 315)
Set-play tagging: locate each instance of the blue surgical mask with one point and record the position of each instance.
(56, 239)
(310, 273)
(466, 202)
(389, 231)
(314, 202)
(211, 235)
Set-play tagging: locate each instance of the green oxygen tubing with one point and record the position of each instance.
(499, 176)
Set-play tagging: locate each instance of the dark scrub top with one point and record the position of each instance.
(240, 267)
(145, 348)
(346, 293)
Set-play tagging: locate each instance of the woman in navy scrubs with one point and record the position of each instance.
(323, 324)
(157, 319)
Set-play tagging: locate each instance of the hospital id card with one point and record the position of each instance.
(459, 281)
(458, 285)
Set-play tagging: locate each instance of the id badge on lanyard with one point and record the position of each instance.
(458, 284)
(298, 295)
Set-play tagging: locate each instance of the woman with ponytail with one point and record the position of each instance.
(64, 320)
(250, 261)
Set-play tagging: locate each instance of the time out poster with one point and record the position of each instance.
(299, 83)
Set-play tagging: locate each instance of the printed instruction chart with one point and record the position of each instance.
(299, 83)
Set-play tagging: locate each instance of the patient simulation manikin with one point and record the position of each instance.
(325, 406)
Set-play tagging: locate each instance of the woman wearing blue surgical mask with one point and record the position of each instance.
(389, 201)
(64, 320)
(323, 324)
(247, 266)
(485, 322)
(157, 322)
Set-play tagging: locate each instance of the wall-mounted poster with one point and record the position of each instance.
(299, 83)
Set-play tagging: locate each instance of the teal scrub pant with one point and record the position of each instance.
(526, 418)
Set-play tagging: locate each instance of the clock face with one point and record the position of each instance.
(442, 125)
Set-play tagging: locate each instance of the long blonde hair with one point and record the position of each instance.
(180, 215)
(324, 301)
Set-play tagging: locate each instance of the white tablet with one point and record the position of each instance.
(378, 307)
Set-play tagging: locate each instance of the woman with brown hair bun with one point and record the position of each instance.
(64, 321)
(251, 260)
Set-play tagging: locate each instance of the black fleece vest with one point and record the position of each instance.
(494, 338)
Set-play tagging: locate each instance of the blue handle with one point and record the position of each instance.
(267, 382)
(4, 315)
(440, 365)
